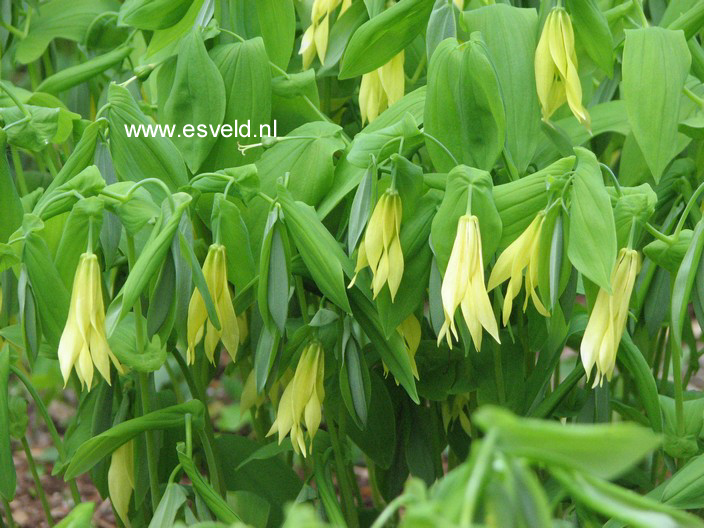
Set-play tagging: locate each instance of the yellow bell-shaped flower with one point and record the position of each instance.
(463, 285)
(380, 248)
(302, 399)
(215, 273)
(556, 74)
(315, 38)
(83, 342)
(121, 480)
(522, 254)
(381, 88)
(608, 319)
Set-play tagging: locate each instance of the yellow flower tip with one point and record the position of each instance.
(83, 344)
(607, 321)
(556, 76)
(463, 284)
(381, 88)
(380, 249)
(302, 399)
(521, 255)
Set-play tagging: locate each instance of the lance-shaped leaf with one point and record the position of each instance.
(8, 477)
(10, 203)
(382, 37)
(197, 97)
(320, 252)
(602, 450)
(592, 232)
(95, 449)
(463, 108)
(655, 66)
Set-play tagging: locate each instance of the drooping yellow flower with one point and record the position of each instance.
(215, 273)
(315, 38)
(121, 480)
(381, 88)
(608, 319)
(380, 248)
(302, 399)
(83, 342)
(522, 254)
(410, 332)
(556, 74)
(463, 285)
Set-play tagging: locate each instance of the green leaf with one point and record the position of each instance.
(684, 281)
(320, 252)
(442, 25)
(355, 386)
(632, 358)
(49, 290)
(592, 231)
(220, 508)
(246, 73)
(152, 14)
(463, 108)
(80, 516)
(123, 343)
(277, 21)
(391, 349)
(235, 237)
(165, 514)
(196, 98)
(656, 62)
(32, 132)
(199, 279)
(384, 142)
(257, 475)
(95, 449)
(67, 19)
(593, 33)
(8, 477)
(510, 35)
(138, 158)
(623, 504)
(385, 35)
(147, 264)
(378, 439)
(602, 450)
(10, 203)
(460, 181)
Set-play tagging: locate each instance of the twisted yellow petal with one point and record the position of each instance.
(121, 480)
(463, 286)
(608, 318)
(83, 343)
(556, 76)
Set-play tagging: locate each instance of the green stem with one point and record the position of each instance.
(498, 372)
(676, 351)
(19, 171)
(37, 481)
(442, 146)
(8, 513)
(301, 296)
(5, 88)
(476, 480)
(208, 439)
(348, 505)
(143, 382)
(56, 439)
(692, 201)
